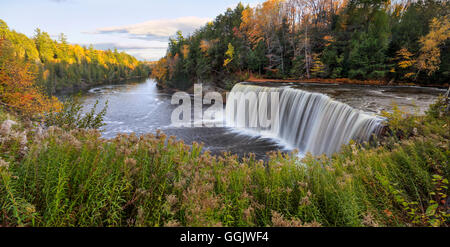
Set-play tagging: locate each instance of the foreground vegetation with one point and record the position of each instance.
(59, 177)
(387, 41)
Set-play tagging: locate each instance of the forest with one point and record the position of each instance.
(59, 66)
(58, 170)
(387, 41)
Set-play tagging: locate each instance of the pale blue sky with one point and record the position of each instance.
(138, 27)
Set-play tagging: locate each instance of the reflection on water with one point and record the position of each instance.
(141, 108)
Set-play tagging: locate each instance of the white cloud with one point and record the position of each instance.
(157, 29)
(147, 40)
(127, 46)
(142, 50)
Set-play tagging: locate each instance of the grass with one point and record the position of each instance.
(76, 178)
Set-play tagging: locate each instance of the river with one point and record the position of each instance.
(140, 107)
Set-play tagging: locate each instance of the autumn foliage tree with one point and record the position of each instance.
(261, 25)
(17, 85)
(159, 70)
(430, 51)
(404, 63)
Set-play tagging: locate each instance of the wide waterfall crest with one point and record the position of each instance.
(310, 122)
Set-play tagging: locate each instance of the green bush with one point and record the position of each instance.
(378, 74)
(72, 116)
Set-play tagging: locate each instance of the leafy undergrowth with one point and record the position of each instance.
(76, 178)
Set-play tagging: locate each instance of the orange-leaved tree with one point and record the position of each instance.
(159, 70)
(18, 89)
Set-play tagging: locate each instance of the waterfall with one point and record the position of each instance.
(309, 122)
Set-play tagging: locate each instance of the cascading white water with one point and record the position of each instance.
(310, 122)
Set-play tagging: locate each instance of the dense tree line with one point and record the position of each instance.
(58, 65)
(357, 39)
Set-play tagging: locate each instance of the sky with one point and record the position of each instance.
(139, 27)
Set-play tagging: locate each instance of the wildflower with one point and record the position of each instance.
(247, 214)
(302, 184)
(5, 128)
(130, 162)
(172, 200)
(246, 195)
(30, 209)
(369, 220)
(305, 200)
(180, 184)
(4, 164)
(312, 224)
(70, 139)
(23, 138)
(258, 205)
(140, 218)
(217, 224)
(40, 132)
(279, 221)
(329, 168)
(172, 223)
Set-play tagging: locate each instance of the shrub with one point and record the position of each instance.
(72, 116)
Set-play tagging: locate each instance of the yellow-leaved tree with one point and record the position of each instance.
(405, 62)
(318, 67)
(429, 59)
(229, 54)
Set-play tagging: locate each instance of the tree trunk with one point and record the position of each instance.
(306, 51)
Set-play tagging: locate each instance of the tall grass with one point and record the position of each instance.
(76, 178)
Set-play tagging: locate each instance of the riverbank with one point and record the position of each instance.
(83, 86)
(346, 81)
(215, 87)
